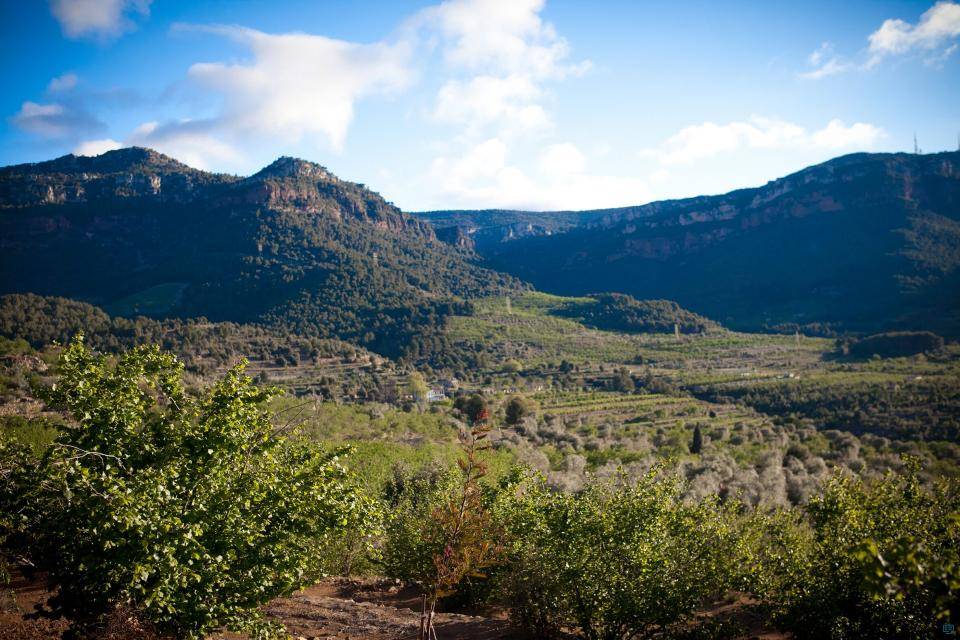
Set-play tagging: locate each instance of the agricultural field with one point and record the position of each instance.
(745, 431)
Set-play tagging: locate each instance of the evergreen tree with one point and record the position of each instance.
(697, 444)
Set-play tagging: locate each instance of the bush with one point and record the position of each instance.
(879, 562)
(518, 408)
(192, 511)
(449, 538)
(627, 561)
(411, 498)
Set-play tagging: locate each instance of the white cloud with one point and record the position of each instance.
(825, 63)
(192, 142)
(103, 19)
(932, 34)
(504, 36)
(54, 120)
(819, 55)
(482, 100)
(503, 55)
(709, 139)
(497, 59)
(936, 27)
(937, 60)
(484, 177)
(96, 147)
(561, 160)
(66, 82)
(837, 135)
(299, 85)
(507, 52)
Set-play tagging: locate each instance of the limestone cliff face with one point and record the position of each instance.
(288, 184)
(869, 239)
(664, 229)
(125, 173)
(294, 184)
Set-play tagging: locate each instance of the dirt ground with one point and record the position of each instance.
(337, 608)
(345, 608)
(340, 609)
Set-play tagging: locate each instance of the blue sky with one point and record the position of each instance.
(485, 103)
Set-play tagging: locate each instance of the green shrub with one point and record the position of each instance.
(410, 499)
(627, 561)
(877, 562)
(517, 408)
(192, 511)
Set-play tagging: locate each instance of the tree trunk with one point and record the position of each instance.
(423, 618)
(431, 632)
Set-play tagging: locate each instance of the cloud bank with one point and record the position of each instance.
(99, 19)
(708, 139)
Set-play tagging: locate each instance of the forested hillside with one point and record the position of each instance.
(862, 242)
(291, 246)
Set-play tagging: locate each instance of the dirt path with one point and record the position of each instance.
(377, 609)
(351, 609)
(335, 609)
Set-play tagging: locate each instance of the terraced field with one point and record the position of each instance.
(764, 403)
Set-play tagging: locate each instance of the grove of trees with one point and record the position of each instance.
(190, 508)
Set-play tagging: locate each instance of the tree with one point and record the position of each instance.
(623, 381)
(192, 510)
(417, 387)
(473, 408)
(518, 408)
(696, 446)
(512, 366)
(460, 531)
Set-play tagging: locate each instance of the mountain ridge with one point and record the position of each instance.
(591, 217)
(292, 245)
(864, 241)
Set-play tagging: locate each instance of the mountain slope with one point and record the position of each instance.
(484, 229)
(292, 245)
(861, 242)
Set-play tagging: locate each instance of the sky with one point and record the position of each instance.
(527, 104)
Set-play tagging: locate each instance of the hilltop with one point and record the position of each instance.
(291, 246)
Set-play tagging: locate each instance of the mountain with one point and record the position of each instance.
(484, 229)
(292, 246)
(861, 242)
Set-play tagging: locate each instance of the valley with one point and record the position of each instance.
(389, 341)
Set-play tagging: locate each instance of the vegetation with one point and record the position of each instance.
(201, 344)
(895, 344)
(619, 312)
(292, 247)
(628, 561)
(519, 408)
(854, 568)
(194, 504)
(630, 468)
(776, 254)
(189, 510)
